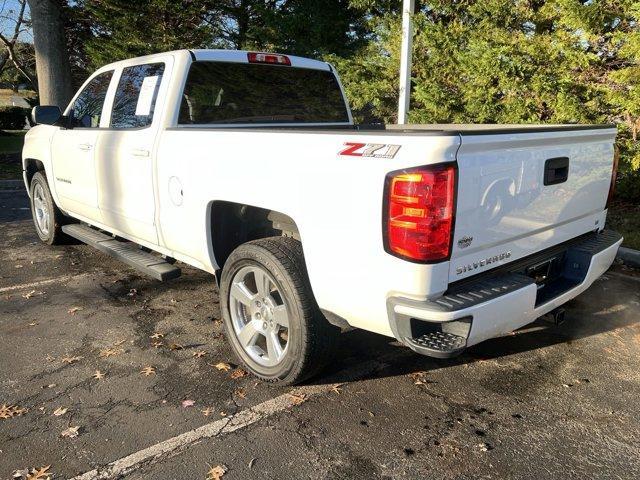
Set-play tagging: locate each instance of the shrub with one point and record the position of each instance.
(13, 118)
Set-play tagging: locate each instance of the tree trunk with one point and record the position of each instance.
(52, 59)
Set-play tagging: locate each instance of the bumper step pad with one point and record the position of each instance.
(440, 344)
(127, 252)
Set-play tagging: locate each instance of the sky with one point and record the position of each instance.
(9, 10)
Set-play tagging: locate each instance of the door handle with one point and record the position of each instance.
(85, 146)
(140, 152)
(556, 170)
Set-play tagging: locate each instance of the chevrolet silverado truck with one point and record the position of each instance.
(249, 166)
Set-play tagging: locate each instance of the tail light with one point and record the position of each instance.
(419, 209)
(272, 58)
(614, 175)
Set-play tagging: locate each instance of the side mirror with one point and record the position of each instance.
(46, 114)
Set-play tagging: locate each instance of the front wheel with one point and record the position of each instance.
(47, 218)
(270, 316)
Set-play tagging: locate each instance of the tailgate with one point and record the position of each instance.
(522, 192)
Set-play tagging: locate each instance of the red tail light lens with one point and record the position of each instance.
(419, 213)
(614, 175)
(272, 58)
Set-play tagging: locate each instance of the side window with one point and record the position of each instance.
(136, 95)
(86, 109)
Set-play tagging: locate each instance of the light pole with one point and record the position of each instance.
(408, 8)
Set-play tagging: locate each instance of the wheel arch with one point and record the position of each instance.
(30, 167)
(230, 224)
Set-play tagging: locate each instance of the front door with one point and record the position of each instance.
(125, 154)
(73, 150)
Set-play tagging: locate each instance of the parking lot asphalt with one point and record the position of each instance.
(545, 402)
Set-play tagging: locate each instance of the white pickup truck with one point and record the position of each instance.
(249, 166)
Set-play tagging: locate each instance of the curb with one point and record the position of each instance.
(629, 256)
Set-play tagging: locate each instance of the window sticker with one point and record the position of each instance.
(147, 91)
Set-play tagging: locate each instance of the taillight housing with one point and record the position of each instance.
(419, 206)
(614, 175)
(270, 58)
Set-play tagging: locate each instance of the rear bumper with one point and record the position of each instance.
(495, 305)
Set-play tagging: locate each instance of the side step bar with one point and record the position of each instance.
(127, 252)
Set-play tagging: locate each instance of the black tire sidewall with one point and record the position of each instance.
(251, 254)
(40, 179)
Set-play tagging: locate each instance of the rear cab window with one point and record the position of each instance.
(238, 93)
(136, 94)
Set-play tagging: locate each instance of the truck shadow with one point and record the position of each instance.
(603, 315)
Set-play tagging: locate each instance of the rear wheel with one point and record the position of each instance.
(271, 318)
(47, 218)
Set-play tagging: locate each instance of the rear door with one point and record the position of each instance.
(522, 192)
(125, 152)
(73, 149)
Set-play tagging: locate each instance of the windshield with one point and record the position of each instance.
(222, 93)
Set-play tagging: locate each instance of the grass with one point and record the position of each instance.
(10, 148)
(624, 217)
(11, 142)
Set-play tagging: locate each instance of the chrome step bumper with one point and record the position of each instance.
(494, 305)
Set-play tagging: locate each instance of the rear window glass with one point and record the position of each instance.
(218, 93)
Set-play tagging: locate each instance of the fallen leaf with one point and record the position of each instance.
(297, 398)
(58, 412)
(188, 403)
(157, 335)
(146, 371)
(240, 393)
(110, 352)
(199, 354)
(484, 447)
(71, 432)
(157, 344)
(223, 367)
(73, 310)
(98, 375)
(20, 474)
(41, 473)
(207, 411)
(238, 373)
(175, 346)
(217, 472)
(71, 360)
(418, 378)
(10, 411)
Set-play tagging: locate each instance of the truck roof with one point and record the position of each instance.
(236, 56)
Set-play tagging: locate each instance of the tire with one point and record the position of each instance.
(254, 317)
(47, 217)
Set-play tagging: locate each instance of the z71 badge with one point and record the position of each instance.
(373, 150)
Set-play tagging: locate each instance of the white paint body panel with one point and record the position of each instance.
(163, 201)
